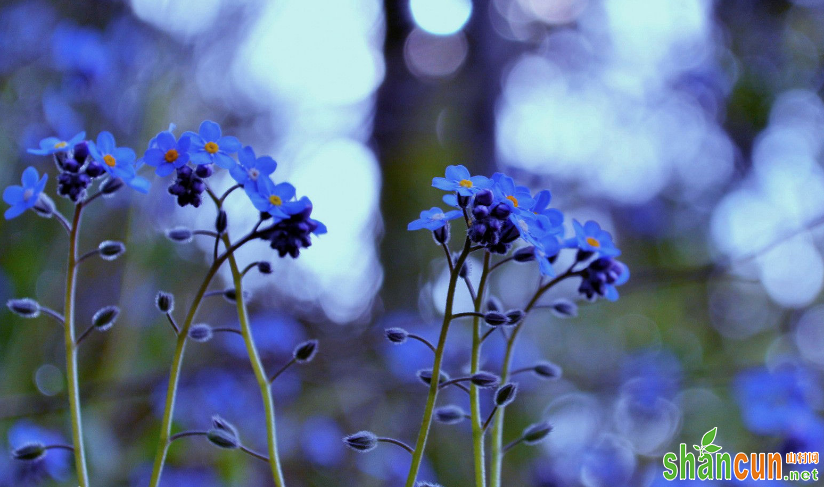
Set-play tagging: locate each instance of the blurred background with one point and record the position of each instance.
(691, 129)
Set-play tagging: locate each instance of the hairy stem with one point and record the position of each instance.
(257, 366)
(423, 434)
(474, 391)
(71, 353)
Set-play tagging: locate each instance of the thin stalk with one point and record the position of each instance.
(497, 449)
(396, 442)
(426, 422)
(257, 366)
(474, 391)
(177, 362)
(71, 353)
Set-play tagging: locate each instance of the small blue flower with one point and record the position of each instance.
(275, 199)
(117, 161)
(52, 145)
(773, 402)
(591, 238)
(541, 207)
(518, 198)
(209, 146)
(459, 180)
(433, 219)
(21, 198)
(168, 153)
(251, 167)
(601, 278)
(546, 248)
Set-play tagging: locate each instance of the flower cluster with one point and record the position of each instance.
(498, 213)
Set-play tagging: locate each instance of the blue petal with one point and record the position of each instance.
(15, 211)
(416, 225)
(210, 131)
(165, 141)
(41, 185)
(154, 157)
(285, 190)
(266, 165)
(321, 229)
(246, 156)
(30, 177)
(457, 173)
(139, 184)
(229, 144)
(224, 161)
(443, 184)
(164, 169)
(201, 158)
(451, 215)
(13, 195)
(105, 142)
(239, 174)
(124, 154)
(451, 200)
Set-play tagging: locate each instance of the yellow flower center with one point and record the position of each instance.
(171, 155)
(465, 183)
(594, 242)
(211, 147)
(109, 160)
(513, 199)
(275, 200)
(60, 144)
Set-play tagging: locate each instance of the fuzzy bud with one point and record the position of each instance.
(231, 295)
(441, 235)
(111, 186)
(165, 302)
(305, 351)
(524, 254)
(564, 308)
(485, 380)
(463, 273)
(494, 318)
(201, 332)
(29, 452)
(536, 433)
(105, 317)
(515, 316)
(25, 307)
(179, 235)
(110, 249)
(506, 394)
(547, 370)
(221, 424)
(396, 335)
(221, 222)
(484, 197)
(362, 441)
(264, 267)
(425, 376)
(450, 414)
(44, 206)
(494, 304)
(223, 439)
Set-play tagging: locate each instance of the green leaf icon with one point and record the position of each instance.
(709, 437)
(697, 447)
(712, 448)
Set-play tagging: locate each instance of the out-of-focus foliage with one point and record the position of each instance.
(691, 129)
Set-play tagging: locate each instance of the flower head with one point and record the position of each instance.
(274, 199)
(52, 145)
(167, 154)
(23, 197)
(459, 180)
(293, 233)
(252, 168)
(433, 219)
(117, 161)
(602, 276)
(210, 146)
(589, 237)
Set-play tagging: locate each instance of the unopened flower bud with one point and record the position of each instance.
(524, 254)
(105, 317)
(165, 302)
(514, 316)
(25, 307)
(110, 249)
(494, 318)
(264, 267)
(547, 370)
(221, 424)
(305, 351)
(425, 376)
(494, 304)
(564, 308)
(231, 295)
(506, 394)
(441, 235)
(485, 379)
(484, 197)
(396, 335)
(535, 433)
(29, 452)
(450, 414)
(362, 441)
(221, 222)
(201, 332)
(179, 235)
(223, 439)
(44, 206)
(111, 186)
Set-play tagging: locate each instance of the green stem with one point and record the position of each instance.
(497, 449)
(257, 366)
(420, 445)
(177, 362)
(71, 353)
(474, 391)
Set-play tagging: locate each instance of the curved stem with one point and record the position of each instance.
(177, 361)
(88, 254)
(63, 221)
(497, 448)
(84, 335)
(396, 442)
(173, 323)
(257, 366)
(489, 418)
(426, 422)
(227, 330)
(71, 353)
(478, 429)
(59, 447)
(282, 370)
(53, 314)
(205, 433)
(422, 340)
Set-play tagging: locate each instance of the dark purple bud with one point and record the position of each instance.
(204, 171)
(524, 254)
(484, 197)
(450, 414)
(223, 439)
(201, 332)
(506, 394)
(179, 235)
(501, 211)
(25, 307)
(441, 235)
(110, 249)
(514, 316)
(29, 452)
(105, 317)
(494, 304)
(494, 318)
(362, 441)
(480, 212)
(165, 302)
(564, 308)
(264, 267)
(425, 376)
(221, 222)
(396, 335)
(485, 380)
(305, 351)
(536, 433)
(547, 370)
